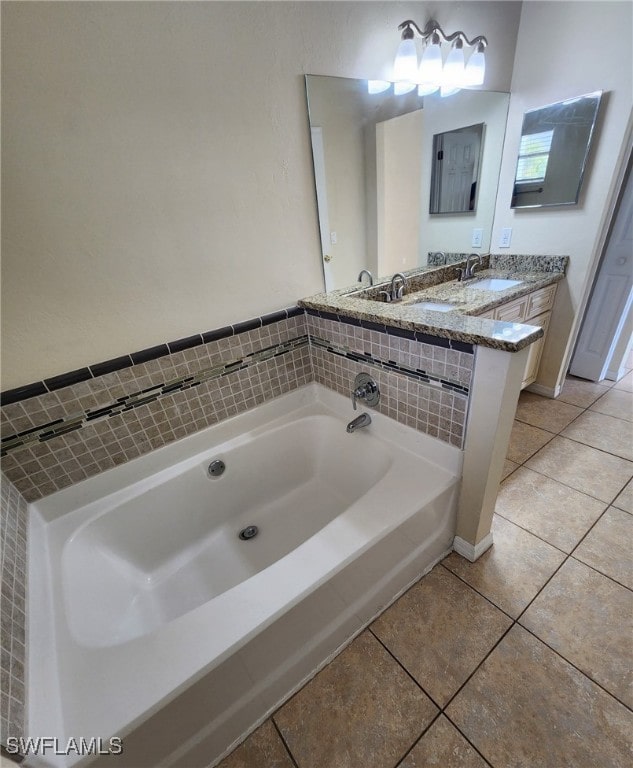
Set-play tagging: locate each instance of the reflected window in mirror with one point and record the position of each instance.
(553, 151)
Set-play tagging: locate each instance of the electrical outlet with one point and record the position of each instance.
(477, 238)
(506, 237)
(333, 238)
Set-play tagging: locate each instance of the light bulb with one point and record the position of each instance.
(476, 67)
(431, 64)
(405, 67)
(426, 89)
(453, 74)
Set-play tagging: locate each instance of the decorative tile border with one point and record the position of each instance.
(145, 355)
(62, 426)
(54, 440)
(366, 358)
(422, 385)
(389, 330)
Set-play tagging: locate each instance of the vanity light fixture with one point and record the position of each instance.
(432, 75)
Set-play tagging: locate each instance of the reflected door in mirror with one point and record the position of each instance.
(456, 159)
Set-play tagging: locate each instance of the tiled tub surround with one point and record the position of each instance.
(424, 385)
(53, 440)
(12, 609)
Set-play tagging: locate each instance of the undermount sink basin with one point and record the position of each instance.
(434, 306)
(495, 284)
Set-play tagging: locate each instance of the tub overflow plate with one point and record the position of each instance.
(216, 468)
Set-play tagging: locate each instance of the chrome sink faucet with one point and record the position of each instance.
(398, 292)
(469, 271)
(369, 275)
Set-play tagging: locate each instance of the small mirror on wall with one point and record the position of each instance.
(553, 152)
(455, 169)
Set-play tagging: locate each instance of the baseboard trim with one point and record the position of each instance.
(540, 389)
(470, 551)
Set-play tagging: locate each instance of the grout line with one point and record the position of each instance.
(494, 605)
(573, 488)
(418, 739)
(283, 741)
(400, 664)
(578, 669)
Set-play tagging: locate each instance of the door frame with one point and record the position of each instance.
(608, 214)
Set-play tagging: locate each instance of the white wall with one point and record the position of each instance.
(156, 160)
(566, 49)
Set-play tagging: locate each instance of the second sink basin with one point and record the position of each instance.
(495, 284)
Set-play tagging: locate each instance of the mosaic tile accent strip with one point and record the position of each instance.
(436, 365)
(57, 439)
(423, 386)
(60, 427)
(435, 411)
(142, 356)
(12, 609)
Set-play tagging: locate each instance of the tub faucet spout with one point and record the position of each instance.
(364, 420)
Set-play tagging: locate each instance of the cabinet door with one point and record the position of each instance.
(513, 311)
(540, 301)
(536, 350)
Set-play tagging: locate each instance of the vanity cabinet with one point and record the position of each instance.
(533, 309)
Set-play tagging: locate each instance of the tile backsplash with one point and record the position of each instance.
(73, 426)
(52, 440)
(422, 385)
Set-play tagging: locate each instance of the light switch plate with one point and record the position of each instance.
(477, 238)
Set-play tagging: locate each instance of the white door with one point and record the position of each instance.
(318, 158)
(605, 318)
(461, 155)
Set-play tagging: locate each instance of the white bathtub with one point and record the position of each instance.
(150, 620)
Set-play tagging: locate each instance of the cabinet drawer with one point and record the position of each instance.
(540, 301)
(514, 311)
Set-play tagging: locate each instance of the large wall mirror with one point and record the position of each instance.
(553, 152)
(373, 164)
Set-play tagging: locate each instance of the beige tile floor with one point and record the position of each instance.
(522, 659)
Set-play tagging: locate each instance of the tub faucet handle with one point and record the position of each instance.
(365, 388)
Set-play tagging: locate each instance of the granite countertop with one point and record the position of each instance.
(439, 284)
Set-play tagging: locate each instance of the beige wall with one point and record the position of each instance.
(156, 162)
(566, 49)
(337, 108)
(398, 162)
(453, 232)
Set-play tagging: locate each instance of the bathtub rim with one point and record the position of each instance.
(52, 509)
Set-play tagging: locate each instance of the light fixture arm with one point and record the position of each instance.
(432, 27)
